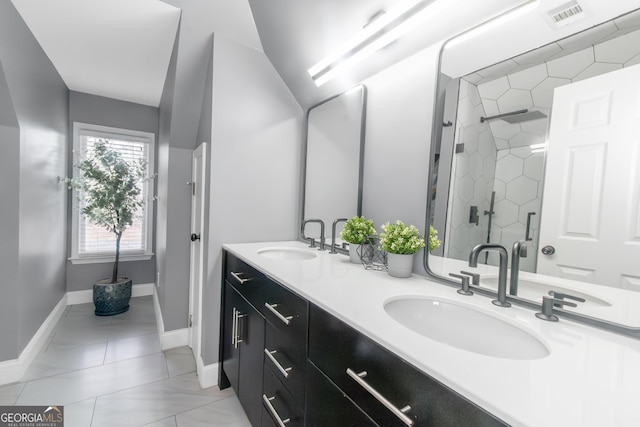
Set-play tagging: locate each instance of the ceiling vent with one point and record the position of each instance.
(565, 14)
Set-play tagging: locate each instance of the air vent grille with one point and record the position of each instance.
(566, 13)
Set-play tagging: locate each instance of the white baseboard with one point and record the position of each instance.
(13, 370)
(170, 339)
(86, 296)
(207, 374)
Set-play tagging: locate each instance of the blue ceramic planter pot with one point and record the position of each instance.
(112, 298)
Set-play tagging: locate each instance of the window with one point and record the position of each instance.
(91, 243)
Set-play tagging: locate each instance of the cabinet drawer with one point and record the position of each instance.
(284, 309)
(335, 347)
(278, 403)
(328, 406)
(287, 359)
(248, 281)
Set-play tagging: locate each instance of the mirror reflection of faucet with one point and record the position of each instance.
(519, 251)
(334, 248)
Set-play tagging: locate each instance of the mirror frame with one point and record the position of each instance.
(363, 124)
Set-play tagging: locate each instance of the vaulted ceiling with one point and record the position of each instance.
(121, 48)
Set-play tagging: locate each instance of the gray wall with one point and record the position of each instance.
(34, 270)
(255, 151)
(174, 208)
(103, 111)
(397, 145)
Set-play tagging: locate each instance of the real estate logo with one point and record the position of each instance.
(31, 416)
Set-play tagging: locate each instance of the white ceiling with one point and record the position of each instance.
(114, 48)
(121, 48)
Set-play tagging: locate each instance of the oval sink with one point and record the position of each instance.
(532, 290)
(465, 328)
(287, 253)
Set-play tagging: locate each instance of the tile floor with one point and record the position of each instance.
(110, 371)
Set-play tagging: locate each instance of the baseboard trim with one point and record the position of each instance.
(86, 296)
(207, 374)
(169, 339)
(12, 370)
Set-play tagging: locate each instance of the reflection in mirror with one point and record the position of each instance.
(333, 164)
(490, 172)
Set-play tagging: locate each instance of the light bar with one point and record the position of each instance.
(377, 34)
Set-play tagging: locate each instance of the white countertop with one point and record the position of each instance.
(590, 378)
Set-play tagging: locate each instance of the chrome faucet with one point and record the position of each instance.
(311, 239)
(519, 251)
(502, 273)
(333, 234)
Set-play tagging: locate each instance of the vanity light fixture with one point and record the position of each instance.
(538, 148)
(383, 29)
(496, 22)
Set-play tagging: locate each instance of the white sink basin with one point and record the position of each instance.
(293, 254)
(465, 328)
(534, 291)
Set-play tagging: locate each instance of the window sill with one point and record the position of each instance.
(105, 259)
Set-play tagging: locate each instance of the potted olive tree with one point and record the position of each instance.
(111, 195)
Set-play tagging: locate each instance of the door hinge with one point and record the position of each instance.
(190, 320)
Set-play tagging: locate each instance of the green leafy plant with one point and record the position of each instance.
(399, 238)
(357, 230)
(434, 242)
(110, 187)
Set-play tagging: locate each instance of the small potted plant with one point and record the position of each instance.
(110, 189)
(356, 231)
(401, 241)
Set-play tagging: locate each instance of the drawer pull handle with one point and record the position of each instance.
(241, 280)
(272, 308)
(272, 410)
(400, 413)
(283, 371)
(235, 328)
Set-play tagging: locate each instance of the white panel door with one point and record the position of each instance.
(198, 183)
(590, 212)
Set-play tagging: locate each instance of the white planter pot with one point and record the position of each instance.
(400, 265)
(353, 254)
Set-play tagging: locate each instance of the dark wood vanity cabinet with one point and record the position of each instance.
(291, 363)
(359, 368)
(263, 345)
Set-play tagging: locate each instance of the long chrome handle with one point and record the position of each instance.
(238, 317)
(241, 280)
(234, 325)
(272, 307)
(284, 371)
(272, 410)
(400, 413)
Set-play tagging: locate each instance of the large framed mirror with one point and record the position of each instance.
(334, 161)
(508, 170)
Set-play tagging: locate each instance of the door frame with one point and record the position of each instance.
(196, 267)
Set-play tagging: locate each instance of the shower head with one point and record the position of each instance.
(516, 116)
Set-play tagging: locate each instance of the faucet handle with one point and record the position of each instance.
(547, 308)
(465, 284)
(312, 242)
(474, 276)
(562, 296)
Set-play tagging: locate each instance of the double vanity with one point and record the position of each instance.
(312, 339)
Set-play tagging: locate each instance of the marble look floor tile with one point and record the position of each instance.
(9, 393)
(79, 385)
(152, 402)
(223, 413)
(180, 361)
(79, 414)
(57, 361)
(167, 422)
(128, 348)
